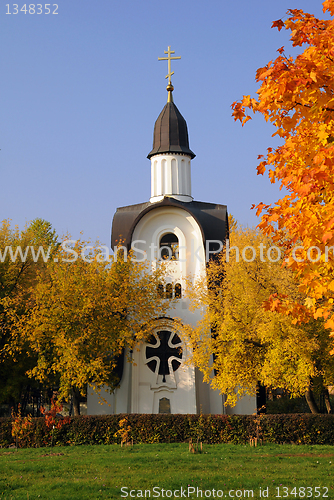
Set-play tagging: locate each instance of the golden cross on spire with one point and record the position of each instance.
(169, 58)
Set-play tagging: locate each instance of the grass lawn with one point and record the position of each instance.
(221, 471)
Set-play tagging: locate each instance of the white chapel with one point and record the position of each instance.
(159, 380)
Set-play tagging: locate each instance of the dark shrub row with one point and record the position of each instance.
(236, 429)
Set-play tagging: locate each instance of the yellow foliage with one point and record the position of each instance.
(252, 342)
(77, 315)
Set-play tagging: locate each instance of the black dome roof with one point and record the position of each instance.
(170, 133)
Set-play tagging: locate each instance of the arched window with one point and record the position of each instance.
(169, 247)
(178, 291)
(169, 291)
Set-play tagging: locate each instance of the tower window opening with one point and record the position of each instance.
(178, 291)
(169, 291)
(169, 247)
(161, 291)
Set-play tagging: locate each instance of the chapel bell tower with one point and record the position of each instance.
(170, 156)
(160, 379)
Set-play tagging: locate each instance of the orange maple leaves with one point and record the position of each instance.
(278, 24)
(297, 96)
(328, 5)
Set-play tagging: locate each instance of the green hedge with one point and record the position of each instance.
(236, 429)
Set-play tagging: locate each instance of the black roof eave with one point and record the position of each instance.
(211, 218)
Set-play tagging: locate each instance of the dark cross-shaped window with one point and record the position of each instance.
(168, 347)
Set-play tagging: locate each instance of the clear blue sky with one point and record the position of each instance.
(80, 91)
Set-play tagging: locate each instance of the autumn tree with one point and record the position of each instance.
(84, 311)
(296, 95)
(250, 344)
(20, 261)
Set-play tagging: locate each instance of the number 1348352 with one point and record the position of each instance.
(32, 8)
